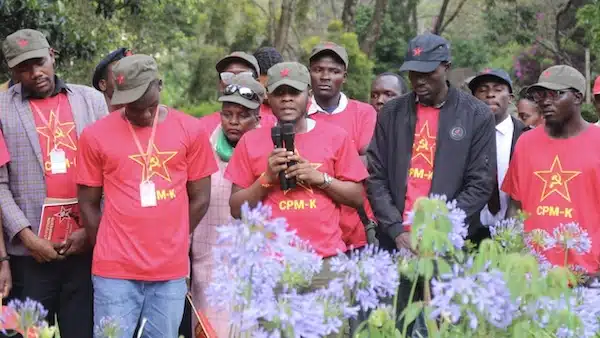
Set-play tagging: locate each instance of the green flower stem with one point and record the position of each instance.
(430, 323)
(410, 300)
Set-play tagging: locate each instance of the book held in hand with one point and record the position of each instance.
(60, 218)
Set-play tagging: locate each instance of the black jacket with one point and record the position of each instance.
(464, 164)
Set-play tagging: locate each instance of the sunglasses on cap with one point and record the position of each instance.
(227, 76)
(543, 94)
(244, 92)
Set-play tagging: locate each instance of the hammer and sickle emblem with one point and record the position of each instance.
(556, 180)
(154, 162)
(58, 133)
(423, 145)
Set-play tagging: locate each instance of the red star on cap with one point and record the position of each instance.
(284, 72)
(121, 79)
(128, 53)
(329, 44)
(487, 70)
(546, 73)
(22, 43)
(417, 51)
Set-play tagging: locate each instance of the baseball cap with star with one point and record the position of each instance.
(425, 53)
(133, 74)
(292, 74)
(23, 45)
(560, 77)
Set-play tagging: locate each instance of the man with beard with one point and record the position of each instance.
(239, 114)
(494, 87)
(328, 72)
(103, 80)
(42, 118)
(328, 170)
(553, 175)
(437, 140)
(385, 87)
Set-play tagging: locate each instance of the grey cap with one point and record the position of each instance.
(247, 81)
(238, 56)
(133, 74)
(561, 77)
(23, 45)
(291, 74)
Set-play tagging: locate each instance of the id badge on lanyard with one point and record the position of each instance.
(58, 161)
(148, 194)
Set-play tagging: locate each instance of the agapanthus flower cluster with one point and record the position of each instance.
(455, 215)
(30, 314)
(109, 327)
(571, 236)
(484, 295)
(509, 233)
(369, 275)
(262, 269)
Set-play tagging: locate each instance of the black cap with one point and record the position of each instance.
(498, 75)
(425, 53)
(110, 58)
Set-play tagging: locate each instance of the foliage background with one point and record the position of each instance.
(187, 37)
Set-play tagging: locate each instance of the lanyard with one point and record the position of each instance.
(147, 156)
(45, 121)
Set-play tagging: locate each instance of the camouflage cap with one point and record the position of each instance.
(133, 74)
(238, 56)
(292, 74)
(245, 81)
(23, 45)
(561, 77)
(331, 48)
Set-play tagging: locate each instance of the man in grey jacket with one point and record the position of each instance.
(41, 119)
(434, 140)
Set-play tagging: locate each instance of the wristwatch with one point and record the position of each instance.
(326, 181)
(264, 181)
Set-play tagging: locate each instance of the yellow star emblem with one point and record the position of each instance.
(424, 144)
(156, 165)
(306, 187)
(555, 180)
(57, 133)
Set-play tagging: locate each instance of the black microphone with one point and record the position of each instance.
(288, 140)
(276, 136)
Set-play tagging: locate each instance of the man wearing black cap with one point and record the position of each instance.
(494, 87)
(154, 171)
(102, 80)
(42, 119)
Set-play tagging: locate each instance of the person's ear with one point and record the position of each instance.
(345, 74)
(102, 85)
(578, 98)
(160, 85)
(52, 56)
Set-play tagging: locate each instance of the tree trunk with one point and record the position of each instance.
(439, 20)
(285, 21)
(272, 22)
(348, 14)
(374, 29)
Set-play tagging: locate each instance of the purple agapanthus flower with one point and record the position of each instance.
(508, 232)
(571, 236)
(109, 327)
(31, 313)
(370, 274)
(484, 294)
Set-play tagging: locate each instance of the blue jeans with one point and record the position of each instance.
(129, 302)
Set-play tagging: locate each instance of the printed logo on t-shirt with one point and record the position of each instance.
(157, 166)
(58, 135)
(300, 204)
(555, 181)
(423, 147)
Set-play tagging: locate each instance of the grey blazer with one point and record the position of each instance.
(22, 182)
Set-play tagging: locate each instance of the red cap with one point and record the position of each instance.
(596, 89)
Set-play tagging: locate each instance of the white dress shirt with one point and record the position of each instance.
(504, 136)
(314, 107)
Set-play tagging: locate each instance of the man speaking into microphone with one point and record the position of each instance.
(320, 167)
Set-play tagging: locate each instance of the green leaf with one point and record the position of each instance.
(425, 268)
(411, 312)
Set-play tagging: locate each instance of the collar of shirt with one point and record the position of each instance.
(59, 87)
(437, 106)
(314, 107)
(505, 126)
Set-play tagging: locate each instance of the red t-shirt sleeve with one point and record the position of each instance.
(200, 158)
(89, 161)
(239, 171)
(368, 118)
(348, 166)
(4, 155)
(511, 180)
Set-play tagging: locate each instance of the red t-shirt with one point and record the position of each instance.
(211, 121)
(58, 130)
(4, 155)
(420, 172)
(558, 181)
(135, 242)
(307, 209)
(358, 119)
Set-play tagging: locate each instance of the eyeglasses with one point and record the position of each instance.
(244, 92)
(227, 76)
(542, 95)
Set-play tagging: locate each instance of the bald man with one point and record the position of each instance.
(385, 87)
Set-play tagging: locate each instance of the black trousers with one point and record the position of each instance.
(185, 329)
(63, 287)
